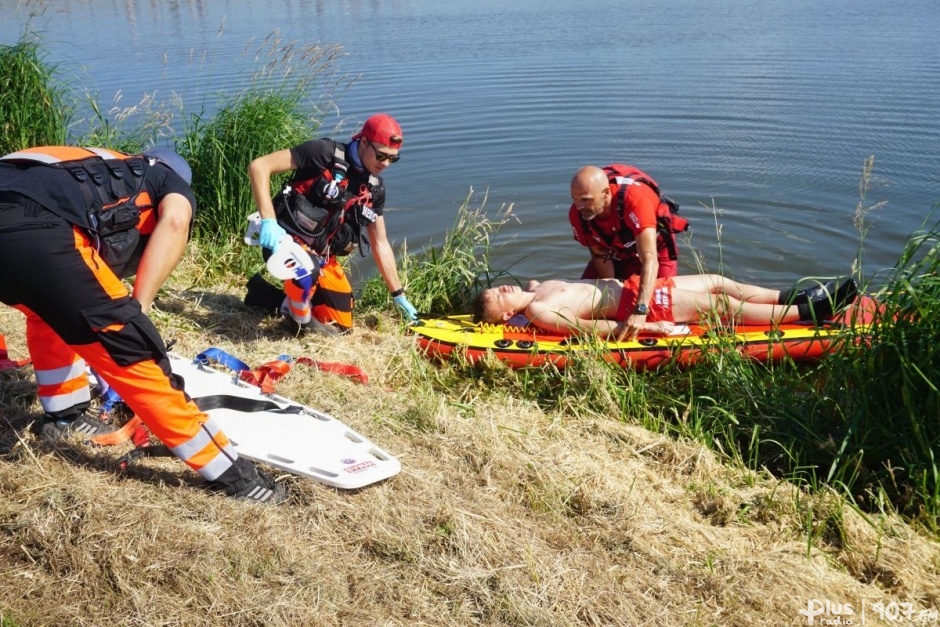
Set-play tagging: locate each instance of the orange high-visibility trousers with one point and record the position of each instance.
(54, 275)
(60, 372)
(330, 300)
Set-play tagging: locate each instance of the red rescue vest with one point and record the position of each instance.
(668, 222)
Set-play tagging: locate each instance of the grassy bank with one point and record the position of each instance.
(511, 509)
(863, 422)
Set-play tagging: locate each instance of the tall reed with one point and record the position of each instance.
(34, 107)
(884, 389)
(444, 279)
(219, 150)
(130, 128)
(276, 111)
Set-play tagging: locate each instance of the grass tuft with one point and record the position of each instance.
(275, 112)
(34, 109)
(444, 279)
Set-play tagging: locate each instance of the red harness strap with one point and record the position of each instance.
(134, 430)
(346, 370)
(265, 375)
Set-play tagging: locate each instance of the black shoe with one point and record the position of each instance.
(245, 482)
(818, 292)
(264, 295)
(263, 489)
(825, 300)
(52, 430)
(794, 296)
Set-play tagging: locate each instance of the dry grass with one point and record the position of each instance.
(502, 515)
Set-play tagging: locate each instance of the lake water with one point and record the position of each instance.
(756, 116)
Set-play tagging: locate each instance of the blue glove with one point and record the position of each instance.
(406, 308)
(271, 234)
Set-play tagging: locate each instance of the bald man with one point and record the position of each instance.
(619, 214)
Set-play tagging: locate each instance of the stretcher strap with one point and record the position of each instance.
(220, 356)
(242, 404)
(346, 370)
(134, 430)
(265, 375)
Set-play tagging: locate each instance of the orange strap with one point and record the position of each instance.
(265, 375)
(135, 430)
(346, 370)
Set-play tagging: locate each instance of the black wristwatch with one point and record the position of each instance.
(641, 309)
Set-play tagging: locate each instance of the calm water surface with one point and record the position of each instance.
(756, 116)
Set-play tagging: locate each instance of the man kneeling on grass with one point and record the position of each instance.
(613, 309)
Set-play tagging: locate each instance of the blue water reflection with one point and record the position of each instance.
(764, 111)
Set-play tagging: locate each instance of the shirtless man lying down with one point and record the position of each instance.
(609, 308)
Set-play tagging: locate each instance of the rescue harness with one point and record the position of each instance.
(324, 212)
(117, 208)
(668, 220)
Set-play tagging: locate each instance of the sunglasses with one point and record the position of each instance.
(382, 157)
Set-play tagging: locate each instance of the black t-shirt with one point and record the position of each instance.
(315, 156)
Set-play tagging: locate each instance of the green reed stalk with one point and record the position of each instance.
(884, 386)
(220, 149)
(445, 279)
(275, 112)
(33, 104)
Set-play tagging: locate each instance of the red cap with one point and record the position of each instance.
(381, 128)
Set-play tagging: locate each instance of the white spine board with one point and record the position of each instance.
(310, 443)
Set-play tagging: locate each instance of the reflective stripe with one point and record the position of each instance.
(104, 153)
(625, 180)
(214, 469)
(32, 156)
(65, 401)
(54, 376)
(196, 443)
(298, 302)
(59, 154)
(300, 311)
(66, 387)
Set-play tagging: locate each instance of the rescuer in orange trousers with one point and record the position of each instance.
(73, 223)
